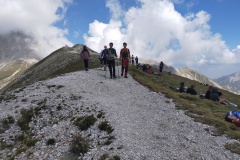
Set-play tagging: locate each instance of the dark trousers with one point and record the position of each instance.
(85, 63)
(111, 66)
(161, 68)
(103, 61)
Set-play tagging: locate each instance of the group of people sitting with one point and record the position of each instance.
(148, 69)
(212, 94)
(191, 90)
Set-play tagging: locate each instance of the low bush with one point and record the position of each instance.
(79, 145)
(85, 122)
(104, 126)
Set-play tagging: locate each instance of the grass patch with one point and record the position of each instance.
(85, 122)
(233, 147)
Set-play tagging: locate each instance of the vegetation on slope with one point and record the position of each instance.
(201, 110)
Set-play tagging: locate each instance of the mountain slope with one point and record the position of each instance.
(63, 60)
(16, 55)
(193, 75)
(82, 115)
(11, 70)
(16, 45)
(231, 82)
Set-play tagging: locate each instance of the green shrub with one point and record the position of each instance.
(20, 137)
(104, 156)
(116, 157)
(59, 107)
(100, 115)
(8, 120)
(23, 122)
(50, 141)
(79, 145)
(104, 126)
(85, 122)
(30, 142)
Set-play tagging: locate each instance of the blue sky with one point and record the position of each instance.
(200, 34)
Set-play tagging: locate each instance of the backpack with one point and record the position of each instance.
(102, 54)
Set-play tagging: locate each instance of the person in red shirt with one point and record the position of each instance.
(125, 57)
(232, 118)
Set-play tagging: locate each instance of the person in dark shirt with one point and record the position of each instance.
(209, 91)
(191, 90)
(111, 54)
(182, 87)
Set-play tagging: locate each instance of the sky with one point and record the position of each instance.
(202, 35)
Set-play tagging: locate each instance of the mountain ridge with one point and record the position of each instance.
(231, 82)
(54, 64)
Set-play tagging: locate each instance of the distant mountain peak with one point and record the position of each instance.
(231, 82)
(194, 75)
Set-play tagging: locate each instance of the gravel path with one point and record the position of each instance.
(146, 124)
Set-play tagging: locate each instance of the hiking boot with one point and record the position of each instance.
(125, 76)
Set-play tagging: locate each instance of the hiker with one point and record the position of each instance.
(103, 58)
(111, 54)
(85, 55)
(234, 117)
(207, 94)
(125, 57)
(136, 60)
(225, 101)
(149, 70)
(182, 88)
(161, 66)
(132, 60)
(144, 67)
(191, 90)
(217, 97)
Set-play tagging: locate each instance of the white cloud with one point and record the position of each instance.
(115, 8)
(155, 30)
(36, 18)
